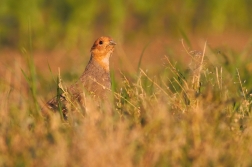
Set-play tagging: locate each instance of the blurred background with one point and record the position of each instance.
(75, 23)
(60, 33)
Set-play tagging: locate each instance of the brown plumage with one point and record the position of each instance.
(95, 79)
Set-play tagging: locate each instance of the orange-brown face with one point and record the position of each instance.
(103, 46)
(101, 51)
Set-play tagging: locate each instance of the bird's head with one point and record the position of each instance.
(102, 49)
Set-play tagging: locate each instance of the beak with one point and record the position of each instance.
(111, 42)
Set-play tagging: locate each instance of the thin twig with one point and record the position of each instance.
(241, 84)
(201, 64)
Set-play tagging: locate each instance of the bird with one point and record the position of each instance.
(95, 79)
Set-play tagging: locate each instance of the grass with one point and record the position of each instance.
(197, 116)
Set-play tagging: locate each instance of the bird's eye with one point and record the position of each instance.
(100, 42)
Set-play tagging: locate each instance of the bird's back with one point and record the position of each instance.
(94, 81)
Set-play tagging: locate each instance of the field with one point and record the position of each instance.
(181, 95)
(194, 112)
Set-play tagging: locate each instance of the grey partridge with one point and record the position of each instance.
(95, 79)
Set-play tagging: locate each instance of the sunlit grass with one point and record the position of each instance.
(187, 115)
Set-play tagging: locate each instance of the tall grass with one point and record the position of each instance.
(195, 115)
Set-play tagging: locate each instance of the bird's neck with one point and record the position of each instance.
(102, 61)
